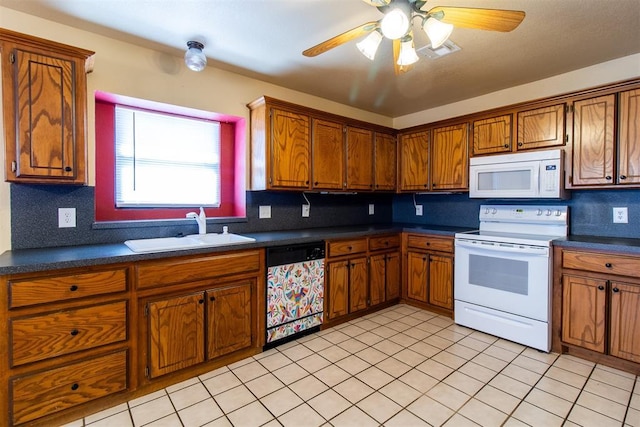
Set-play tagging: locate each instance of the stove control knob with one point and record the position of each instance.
(539, 212)
(494, 211)
(486, 211)
(548, 213)
(558, 213)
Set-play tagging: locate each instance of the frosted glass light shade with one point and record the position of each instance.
(437, 31)
(408, 53)
(194, 58)
(395, 24)
(369, 45)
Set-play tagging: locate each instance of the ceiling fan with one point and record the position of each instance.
(437, 23)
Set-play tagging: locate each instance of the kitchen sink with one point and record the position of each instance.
(192, 241)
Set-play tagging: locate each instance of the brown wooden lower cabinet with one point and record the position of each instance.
(598, 308)
(429, 271)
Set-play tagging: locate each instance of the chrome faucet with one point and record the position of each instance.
(200, 219)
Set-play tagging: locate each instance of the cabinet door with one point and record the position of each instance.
(393, 275)
(176, 333)
(358, 284)
(359, 144)
(417, 276)
(47, 127)
(541, 128)
(414, 161)
(492, 135)
(583, 312)
(449, 158)
(440, 281)
(290, 150)
(338, 286)
(593, 141)
(629, 138)
(378, 278)
(328, 155)
(385, 162)
(625, 318)
(229, 318)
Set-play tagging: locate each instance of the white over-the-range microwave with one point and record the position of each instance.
(531, 175)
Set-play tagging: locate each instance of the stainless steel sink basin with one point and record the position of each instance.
(163, 244)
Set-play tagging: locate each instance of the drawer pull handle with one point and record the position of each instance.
(608, 265)
(616, 290)
(601, 288)
(74, 386)
(73, 288)
(349, 248)
(74, 332)
(68, 169)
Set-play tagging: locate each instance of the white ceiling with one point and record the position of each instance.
(264, 39)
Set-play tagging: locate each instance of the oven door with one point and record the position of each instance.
(509, 277)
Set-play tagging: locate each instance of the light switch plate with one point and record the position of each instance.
(621, 215)
(265, 211)
(418, 210)
(372, 209)
(66, 217)
(305, 210)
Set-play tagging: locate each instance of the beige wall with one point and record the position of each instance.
(130, 70)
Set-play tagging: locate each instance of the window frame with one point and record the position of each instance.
(232, 163)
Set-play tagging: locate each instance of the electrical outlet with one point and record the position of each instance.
(66, 217)
(265, 211)
(305, 210)
(372, 209)
(620, 215)
(418, 210)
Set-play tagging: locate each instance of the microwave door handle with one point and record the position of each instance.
(536, 179)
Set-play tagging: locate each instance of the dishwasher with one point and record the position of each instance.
(295, 291)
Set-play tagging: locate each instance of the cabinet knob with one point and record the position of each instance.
(607, 178)
(74, 386)
(201, 301)
(67, 169)
(601, 287)
(212, 298)
(315, 183)
(623, 177)
(349, 248)
(73, 288)
(608, 265)
(506, 145)
(74, 332)
(616, 290)
(520, 144)
(434, 184)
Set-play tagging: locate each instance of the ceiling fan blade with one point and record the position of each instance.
(377, 3)
(399, 69)
(340, 39)
(479, 19)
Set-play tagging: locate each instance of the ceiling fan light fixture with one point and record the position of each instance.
(395, 24)
(437, 31)
(194, 58)
(408, 53)
(369, 45)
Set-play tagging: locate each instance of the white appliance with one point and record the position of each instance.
(503, 272)
(535, 174)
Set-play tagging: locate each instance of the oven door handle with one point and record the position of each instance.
(479, 245)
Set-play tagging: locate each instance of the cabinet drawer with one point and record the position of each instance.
(601, 263)
(180, 270)
(441, 244)
(50, 289)
(384, 242)
(58, 389)
(346, 247)
(63, 332)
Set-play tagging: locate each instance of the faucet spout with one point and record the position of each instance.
(201, 219)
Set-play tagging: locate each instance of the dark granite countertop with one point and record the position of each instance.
(613, 244)
(33, 260)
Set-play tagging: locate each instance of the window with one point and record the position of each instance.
(156, 161)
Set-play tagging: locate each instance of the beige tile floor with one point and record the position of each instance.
(398, 367)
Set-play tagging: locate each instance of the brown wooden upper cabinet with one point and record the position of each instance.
(44, 90)
(414, 161)
(359, 147)
(450, 158)
(492, 135)
(328, 157)
(605, 152)
(541, 127)
(384, 161)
